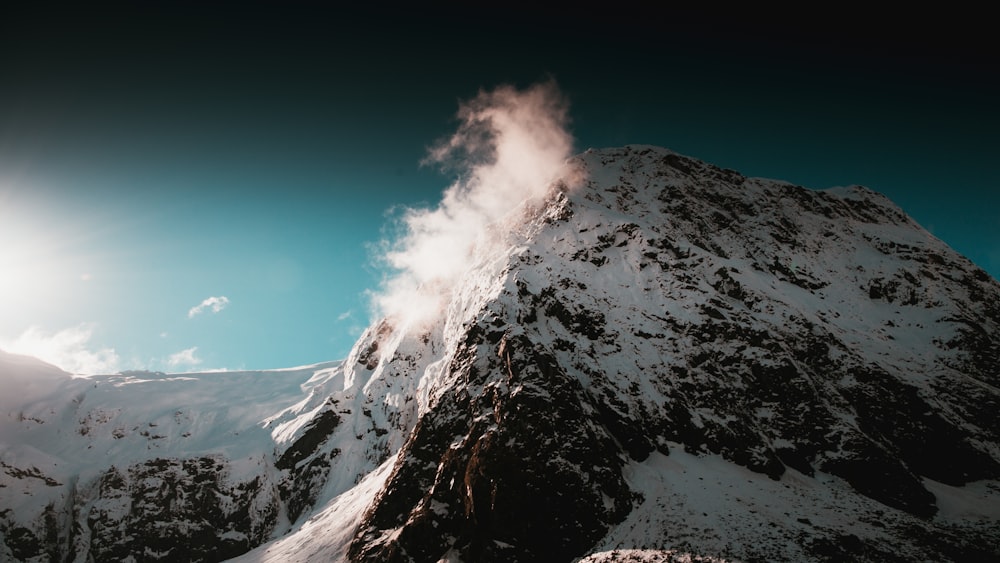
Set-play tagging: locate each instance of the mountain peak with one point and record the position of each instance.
(659, 357)
(669, 305)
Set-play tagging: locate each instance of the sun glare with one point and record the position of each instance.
(34, 265)
(22, 275)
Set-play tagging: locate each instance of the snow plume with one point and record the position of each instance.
(215, 303)
(68, 349)
(509, 147)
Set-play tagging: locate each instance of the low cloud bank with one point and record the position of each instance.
(68, 349)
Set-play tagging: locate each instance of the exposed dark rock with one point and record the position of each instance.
(182, 510)
(523, 479)
(316, 432)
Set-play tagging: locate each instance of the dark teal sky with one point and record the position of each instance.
(155, 155)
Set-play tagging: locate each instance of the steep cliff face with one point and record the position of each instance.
(669, 308)
(196, 467)
(668, 361)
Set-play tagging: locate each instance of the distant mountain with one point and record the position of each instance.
(668, 362)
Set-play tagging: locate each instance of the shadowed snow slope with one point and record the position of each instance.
(669, 362)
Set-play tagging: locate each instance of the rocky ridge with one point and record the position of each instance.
(671, 306)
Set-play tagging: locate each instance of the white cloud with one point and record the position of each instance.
(510, 146)
(215, 303)
(184, 358)
(345, 315)
(67, 348)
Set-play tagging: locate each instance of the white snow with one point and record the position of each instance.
(327, 534)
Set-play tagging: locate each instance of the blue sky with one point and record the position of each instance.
(157, 156)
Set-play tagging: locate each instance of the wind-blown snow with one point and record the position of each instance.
(510, 145)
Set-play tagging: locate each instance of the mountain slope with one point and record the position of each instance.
(667, 361)
(669, 306)
(148, 464)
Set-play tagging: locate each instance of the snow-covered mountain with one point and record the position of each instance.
(667, 362)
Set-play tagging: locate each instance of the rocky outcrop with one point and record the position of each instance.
(185, 477)
(678, 305)
(181, 510)
(504, 483)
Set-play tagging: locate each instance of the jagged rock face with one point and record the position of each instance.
(504, 483)
(671, 305)
(181, 510)
(161, 509)
(150, 467)
(307, 464)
